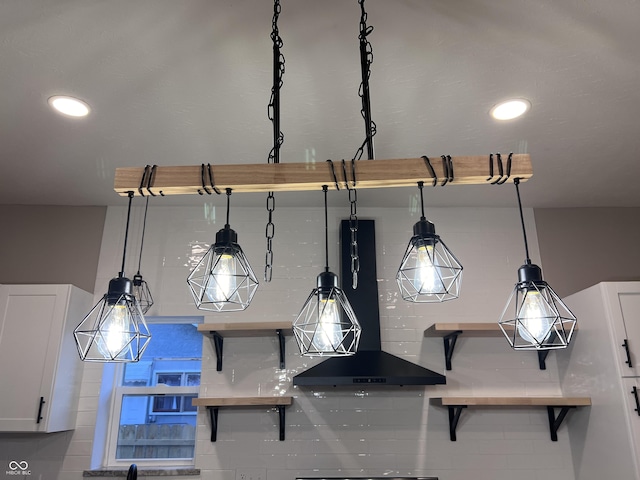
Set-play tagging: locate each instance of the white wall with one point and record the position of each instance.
(336, 431)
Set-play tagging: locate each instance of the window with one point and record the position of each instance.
(152, 420)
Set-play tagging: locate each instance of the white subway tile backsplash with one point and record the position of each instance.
(344, 431)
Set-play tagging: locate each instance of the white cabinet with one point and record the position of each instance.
(605, 438)
(40, 370)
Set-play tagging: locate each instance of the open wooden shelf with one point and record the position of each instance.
(472, 329)
(214, 403)
(450, 332)
(456, 404)
(217, 332)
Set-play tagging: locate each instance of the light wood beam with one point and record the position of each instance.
(282, 177)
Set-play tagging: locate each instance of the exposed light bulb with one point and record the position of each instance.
(115, 332)
(535, 318)
(427, 278)
(221, 284)
(327, 336)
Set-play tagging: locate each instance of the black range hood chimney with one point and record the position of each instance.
(370, 365)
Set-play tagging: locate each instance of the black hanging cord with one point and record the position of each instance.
(516, 182)
(126, 236)
(421, 186)
(228, 204)
(366, 59)
(326, 230)
(144, 227)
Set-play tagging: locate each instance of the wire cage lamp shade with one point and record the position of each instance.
(142, 293)
(429, 272)
(223, 280)
(327, 325)
(115, 329)
(534, 317)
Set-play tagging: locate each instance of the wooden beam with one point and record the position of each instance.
(282, 177)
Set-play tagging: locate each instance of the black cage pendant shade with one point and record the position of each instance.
(429, 272)
(140, 287)
(535, 318)
(327, 325)
(223, 280)
(114, 330)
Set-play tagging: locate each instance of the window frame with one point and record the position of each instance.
(116, 394)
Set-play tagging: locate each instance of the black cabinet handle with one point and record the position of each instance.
(634, 391)
(42, 402)
(625, 344)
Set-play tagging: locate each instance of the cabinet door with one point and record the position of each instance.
(30, 325)
(623, 299)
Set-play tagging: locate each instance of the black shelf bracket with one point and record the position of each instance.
(281, 418)
(218, 342)
(281, 347)
(454, 417)
(555, 422)
(449, 341)
(213, 416)
(542, 359)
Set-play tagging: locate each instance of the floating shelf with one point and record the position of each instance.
(214, 403)
(217, 332)
(456, 404)
(450, 332)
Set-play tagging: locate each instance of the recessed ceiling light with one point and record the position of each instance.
(510, 109)
(69, 106)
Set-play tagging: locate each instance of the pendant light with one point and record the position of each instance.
(114, 330)
(327, 325)
(541, 320)
(429, 272)
(140, 287)
(223, 280)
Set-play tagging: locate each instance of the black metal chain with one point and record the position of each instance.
(366, 59)
(273, 112)
(353, 222)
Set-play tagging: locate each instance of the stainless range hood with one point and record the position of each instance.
(370, 365)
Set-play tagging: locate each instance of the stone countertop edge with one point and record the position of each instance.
(145, 472)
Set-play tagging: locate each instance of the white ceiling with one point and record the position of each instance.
(182, 82)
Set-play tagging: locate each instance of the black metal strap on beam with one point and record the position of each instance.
(281, 347)
(555, 422)
(449, 344)
(454, 417)
(213, 415)
(218, 342)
